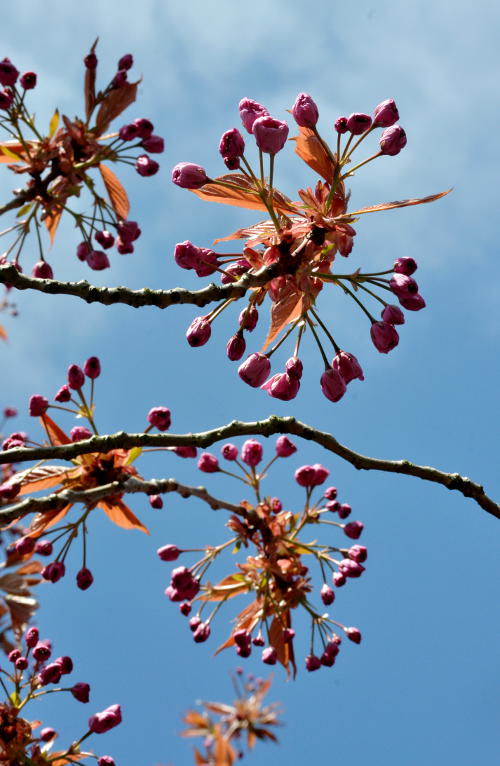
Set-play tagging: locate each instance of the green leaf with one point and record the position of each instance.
(54, 122)
(15, 699)
(24, 209)
(135, 452)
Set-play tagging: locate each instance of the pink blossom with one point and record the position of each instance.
(305, 111)
(249, 111)
(270, 134)
(384, 337)
(106, 720)
(188, 175)
(333, 385)
(255, 369)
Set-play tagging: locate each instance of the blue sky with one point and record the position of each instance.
(423, 685)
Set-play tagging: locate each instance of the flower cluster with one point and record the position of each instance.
(246, 718)
(274, 571)
(60, 165)
(32, 674)
(291, 256)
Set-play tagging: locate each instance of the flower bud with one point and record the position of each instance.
(84, 578)
(8, 72)
(47, 734)
(31, 637)
(14, 655)
(413, 302)
(333, 385)
(208, 463)
(186, 451)
(194, 622)
(393, 315)
(98, 260)
(338, 579)
(42, 650)
(327, 595)
(403, 286)
(28, 80)
(288, 635)
(358, 123)
(144, 127)
(119, 79)
(354, 529)
(78, 433)
(353, 634)
(9, 412)
(168, 553)
(199, 332)
(285, 447)
(90, 61)
(405, 265)
(385, 114)
(348, 366)
(9, 490)
(106, 720)
(126, 62)
(248, 318)
(105, 239)
(350, 568)
(236, 346)
(25, 545)
(270, 134)
(235, 270)
(269, 655)
(251, 452)
(154, 144)
(185, 608)
(229, 451)
(384, 337)
(44, 548)
(92, 367)
(330, 493)
(128, 231)
(42, 270)
(159, 417)
(344, 510)
(294, 367)
(249, 111)
(82, 251)
(231, 144)
(50, 674)
(305, 111)
(305, 476)
(312, 663)
(341, 125)
(156, 501)
(327, 660)
(128, 132)
(145, 166)
(255, 369)
(258, 640)
(188, 175)
(38, 405)
(392, 140)
(202, 633)
(53, 572)
(66, 664)
(80, 692)
(105, 760)
(76, 377)
(282, 386)
(6, 99)
(358, 553)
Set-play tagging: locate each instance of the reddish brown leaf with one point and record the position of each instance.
(55, 434)
(3, 334)
(42, 477)
(392, 205)
(114, 104)
(199, 759)
(116, 192)
(89, 85)
(283, 311)
(65, 759)
(224, 752)
(43, 521)
(246, 620)
(311, 150)
(259, 231)
(241, 194)
(284, 649)
(193, 718)
(51, 221)
(225, 589)
(121, 515)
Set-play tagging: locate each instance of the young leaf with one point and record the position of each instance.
(3, 334)
(285, 310)
(284, 649)
(41, 477)
(52, 222)
(43, 521)
(55, 434)
(241, 193)
(121, 515)
(89, 86)
(311, 150)
(391, 205)
(54, 122)
(116, 192)
(114, 104)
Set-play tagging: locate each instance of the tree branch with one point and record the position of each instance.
(58, 500)
(267, 427)
(145, 297)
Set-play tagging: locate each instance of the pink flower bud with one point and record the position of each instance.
(413, 302)
(208, 463)
(154, 144)
(64, 394)
(185, 608)
(348, 366)
(44, 548)
(354, 529)
(255, 369)
(242, 637)
(106, 720)
(98, 260)
(330, 493)
(333, 647)
(341, 125)
(90, 61)
(312, 663)
(31, 637)
(405, 265)
(28, 80)
(248, 318)
(124, 247)
(294, 367)
(129, 231)
(168, 553)
(50, 674)
(229, 451)
(338, 579)
(76, 377)
(236, 346)
(202, 633)
(9, 490)
(276, 505)
(333, 505)
(25, 545)
(251, 452)
(321, 474)
(194, 622)
(199, 332)
(333, 385)
(119, 79)
(82, 251)
(245, 650)
(160, 418)
(358, 553)
(305, 476)
(92, 367)
(327, 595)
(392, 140)
(144, 127)
(105, 760)
(156, 501)
(80, 692)
(42, 270)
(282, 386)
(350, 568)
(78, 433)
(358, 122)
(384, 337)
(105, 239)
(207, 262)
(258, 640)
(403, 286)
(16, 439)
(285, 447)
(188, 175)
(353, 634)
(6, 99)
(8, 72)
(327, 660)
(66, 664)
(231, 144)
(186, 451)
(128, 132)
(14, 655)
(47, 734)
(84, 578)
(249, 111)
(305, 111)
(393, 315)
(9, 412)
(38, 405)
(269, 655)
(126, 62)
(42, 651)
(288, 635)
(53, 572)
(385, 114)
(344, 510)
(232, 163)
(145, 166)
(270, 134)
(235, 271)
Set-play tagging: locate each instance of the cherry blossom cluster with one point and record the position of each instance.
(274, 571)
(298, 245)
(60, 165)
(31, 673)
